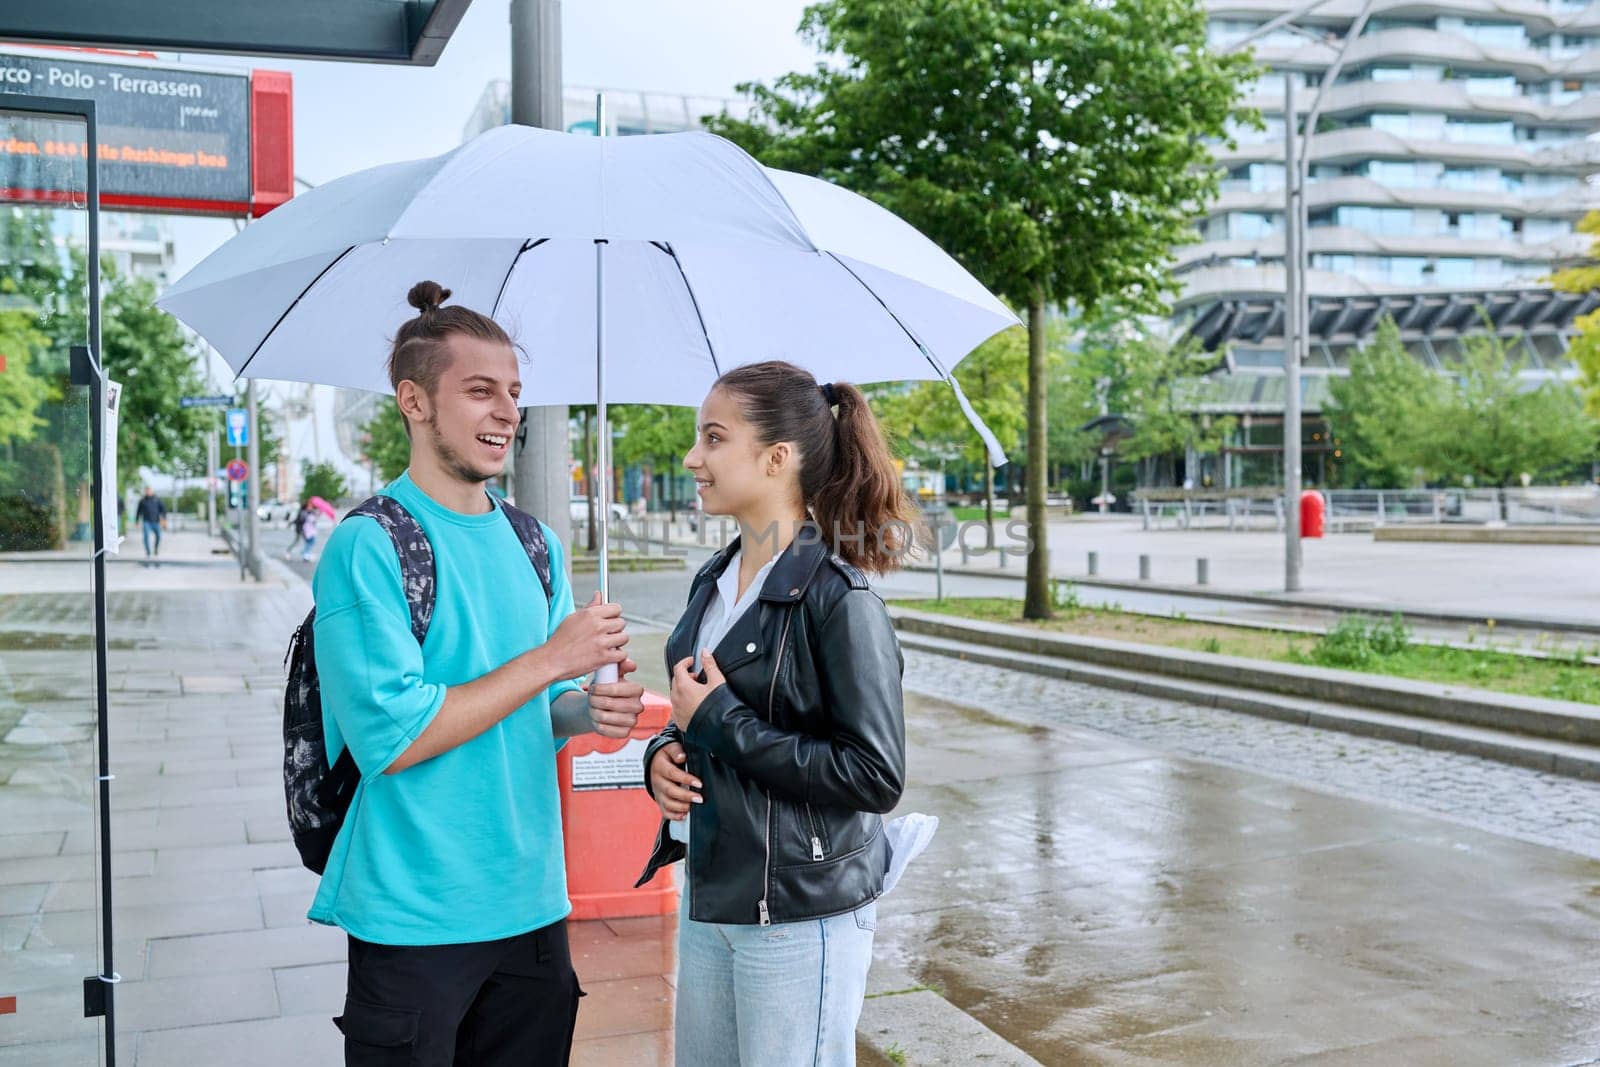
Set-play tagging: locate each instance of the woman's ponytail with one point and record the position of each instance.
(862, 509)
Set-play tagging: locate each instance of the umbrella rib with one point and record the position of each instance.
(290, 308)
(527, 246)
(997, 455)
(914, 339)
(666, 246)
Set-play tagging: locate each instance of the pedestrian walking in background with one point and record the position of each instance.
(308, 532)
(152, 516)
(297, 524)
(787, 741)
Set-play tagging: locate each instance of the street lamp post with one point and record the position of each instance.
(1293, 330)
(1296, 302)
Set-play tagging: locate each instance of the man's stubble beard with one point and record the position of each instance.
(450, 459)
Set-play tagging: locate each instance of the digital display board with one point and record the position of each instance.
(170, 139)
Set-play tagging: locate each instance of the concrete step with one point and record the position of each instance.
(1573, 759)
(1556, 720)
(1574, 534)
(1283, 600)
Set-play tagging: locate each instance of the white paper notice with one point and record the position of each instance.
(622, 769)
(108, 466)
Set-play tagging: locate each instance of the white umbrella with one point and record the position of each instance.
(672, 258)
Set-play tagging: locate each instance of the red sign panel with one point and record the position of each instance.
(171, 139)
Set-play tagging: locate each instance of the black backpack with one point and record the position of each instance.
(319, 795)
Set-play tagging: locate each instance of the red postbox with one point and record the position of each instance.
(609, 822)
(1313, 513)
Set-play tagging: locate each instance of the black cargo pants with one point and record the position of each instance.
(486, 1004)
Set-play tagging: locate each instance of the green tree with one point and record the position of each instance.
(1148, 380)
(657, 435)
(1074, 402)
(1057, 150)
(1155, 383)
(388, 446)
(1585, 350)
(32, 266)
(22, 392)
(145, 350)
(1494, 429)
(1387, 415)
(926, 423)
(322, 479)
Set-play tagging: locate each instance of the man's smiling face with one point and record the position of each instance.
(472, 413)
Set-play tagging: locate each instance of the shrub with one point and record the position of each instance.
(1355, 642)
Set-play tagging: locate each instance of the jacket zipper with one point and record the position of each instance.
(816, 838)
(772, 691)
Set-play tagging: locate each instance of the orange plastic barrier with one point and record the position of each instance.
(609, 822)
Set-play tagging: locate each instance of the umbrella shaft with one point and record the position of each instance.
(603, 446)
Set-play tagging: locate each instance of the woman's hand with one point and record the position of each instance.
(688, 692)
(674, 787)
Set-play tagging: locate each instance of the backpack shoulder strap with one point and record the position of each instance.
(531, 534)
(417, 570)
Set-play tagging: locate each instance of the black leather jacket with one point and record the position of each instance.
(799, 753)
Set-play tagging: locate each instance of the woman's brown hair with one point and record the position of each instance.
(419, 353)
(848, 479)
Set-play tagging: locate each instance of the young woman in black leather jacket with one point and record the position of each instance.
(788, 737)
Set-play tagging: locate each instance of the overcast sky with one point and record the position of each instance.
(353, 115)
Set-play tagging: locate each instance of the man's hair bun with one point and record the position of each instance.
(427, 296)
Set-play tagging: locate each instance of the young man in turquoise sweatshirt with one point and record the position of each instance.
(448, 871)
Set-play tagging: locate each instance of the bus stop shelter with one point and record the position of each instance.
(373, 31)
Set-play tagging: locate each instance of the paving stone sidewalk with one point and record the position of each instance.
(217, 960)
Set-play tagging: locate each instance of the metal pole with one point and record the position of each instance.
(211, 481)
(603, 422)
(253, 496)
(108, 976)
(1294, 328)
(607, 672)
(540, 474)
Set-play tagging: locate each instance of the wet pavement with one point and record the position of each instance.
(1118, 880)
(1095, 901)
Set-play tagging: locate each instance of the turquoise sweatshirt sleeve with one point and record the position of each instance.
(368, 661)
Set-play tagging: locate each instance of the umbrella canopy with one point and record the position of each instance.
(323, 506)
(711, 261)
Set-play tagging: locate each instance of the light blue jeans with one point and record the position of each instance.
(785, 995)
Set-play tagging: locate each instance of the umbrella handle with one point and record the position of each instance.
(606, 673)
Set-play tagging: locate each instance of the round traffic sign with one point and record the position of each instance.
(238, 470)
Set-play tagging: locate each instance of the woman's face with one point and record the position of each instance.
(733, 472)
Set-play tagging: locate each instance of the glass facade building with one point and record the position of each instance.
(1449, 168)
(1452, 149)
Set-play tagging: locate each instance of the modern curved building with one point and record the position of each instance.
(1449, 167)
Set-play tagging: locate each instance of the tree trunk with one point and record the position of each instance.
(988, 502)
(1036, 604)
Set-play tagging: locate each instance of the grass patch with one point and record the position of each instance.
(1356, 643)
(966, 514)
